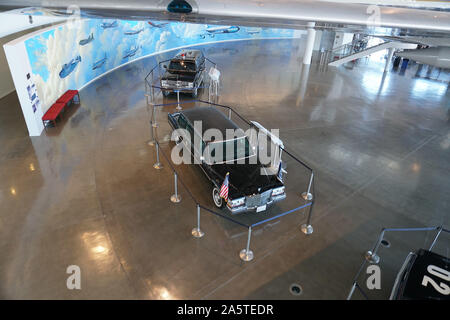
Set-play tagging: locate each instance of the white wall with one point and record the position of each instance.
(6, 81)
(14, 26)
(317, 40)
(13, 23)
(342, 38)
(17, 57)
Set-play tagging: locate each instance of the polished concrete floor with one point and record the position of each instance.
(86, 194)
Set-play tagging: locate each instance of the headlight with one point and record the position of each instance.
(164, 83)
(190, 85)
(237, 202)
(277, 191)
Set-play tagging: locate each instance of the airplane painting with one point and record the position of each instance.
(133, 32)
(84, 42)
(212, 31)
(99, 63)
(67, 68)
(157, 25)
(130, 53)
(253, 30)
(108, 25)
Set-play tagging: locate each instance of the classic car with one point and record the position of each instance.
(185, 73)
(252, 186)
(425, 275)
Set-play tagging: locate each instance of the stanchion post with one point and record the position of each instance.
(352, 290)
(371, 255)
(158, 165)
(209, 93)
(151, 142)
(153, 91)
(197, 232)
(307, 228)
(308, 195)
(178, 101)
(154, 123)
(247, 254)
(175, 198)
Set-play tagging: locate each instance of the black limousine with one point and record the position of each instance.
(425, 275)
(185, 72)
(251, 185)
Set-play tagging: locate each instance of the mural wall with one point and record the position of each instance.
(73, 54)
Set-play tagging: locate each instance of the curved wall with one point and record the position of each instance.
(71, 55)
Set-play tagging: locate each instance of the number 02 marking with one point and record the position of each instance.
(442, 288)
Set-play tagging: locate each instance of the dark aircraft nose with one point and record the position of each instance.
(179, 6)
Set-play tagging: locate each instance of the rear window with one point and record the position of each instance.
(182, 66)
(224, 151)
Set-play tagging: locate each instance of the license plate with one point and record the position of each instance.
(262, 208)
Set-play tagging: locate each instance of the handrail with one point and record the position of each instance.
(215, 64)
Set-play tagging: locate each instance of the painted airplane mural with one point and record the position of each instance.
(253, 30)
(133, 32)
(107, 25)
(158, 25)
(99, 63)
(212, 31)
(84, 42)
(67, 68)
(130, 53)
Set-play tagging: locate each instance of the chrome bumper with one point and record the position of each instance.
(174, 88)
(244, 207)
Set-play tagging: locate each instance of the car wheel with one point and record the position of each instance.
(218, 201)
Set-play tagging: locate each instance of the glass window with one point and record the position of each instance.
(181, 66)
(231, 150)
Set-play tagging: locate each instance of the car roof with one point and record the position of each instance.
(211, 118)
(190, 54)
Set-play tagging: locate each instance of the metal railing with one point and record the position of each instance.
(245, 254)
(330, 55)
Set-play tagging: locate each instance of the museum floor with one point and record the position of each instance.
(85, 193)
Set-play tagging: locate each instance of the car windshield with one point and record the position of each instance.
(224, 151)
(181, 66)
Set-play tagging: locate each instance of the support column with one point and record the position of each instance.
(389, 59)
(309, 43)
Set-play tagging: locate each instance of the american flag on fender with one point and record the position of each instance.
(280, 172)
(224, 188)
